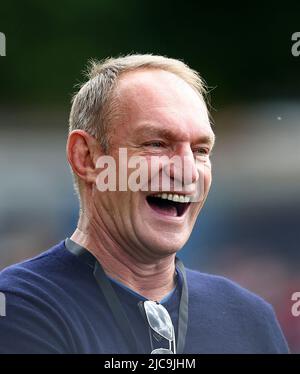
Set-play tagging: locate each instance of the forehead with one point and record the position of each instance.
(156, 98)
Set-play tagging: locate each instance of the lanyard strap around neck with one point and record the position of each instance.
(116, 306)
(183, 309)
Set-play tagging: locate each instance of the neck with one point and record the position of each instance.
(152, 278)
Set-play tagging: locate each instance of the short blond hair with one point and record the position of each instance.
(92, 106)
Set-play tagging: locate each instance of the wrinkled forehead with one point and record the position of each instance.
(162, 98)
(155, 87)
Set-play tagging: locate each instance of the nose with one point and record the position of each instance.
(183, 169)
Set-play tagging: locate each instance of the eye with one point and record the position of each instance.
(202, 151)
(155, 144)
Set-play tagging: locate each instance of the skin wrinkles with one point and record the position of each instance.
(134, 244)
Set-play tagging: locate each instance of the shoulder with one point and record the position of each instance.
(236, 307)
(44, 282)
(222, 290)
(34, 292)
(40, 269)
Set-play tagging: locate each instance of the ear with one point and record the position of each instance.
(83, 150)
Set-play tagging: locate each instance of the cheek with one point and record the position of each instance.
(204, 180)
(207, 176)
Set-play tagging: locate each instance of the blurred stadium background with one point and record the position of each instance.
(249, 228)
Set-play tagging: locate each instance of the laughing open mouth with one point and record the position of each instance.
(173, 205)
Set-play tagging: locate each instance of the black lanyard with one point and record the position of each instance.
(116, 306)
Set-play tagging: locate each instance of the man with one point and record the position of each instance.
(116, 286)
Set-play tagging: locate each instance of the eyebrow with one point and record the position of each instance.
(153, 130)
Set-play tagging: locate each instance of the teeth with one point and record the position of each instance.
(174, 197)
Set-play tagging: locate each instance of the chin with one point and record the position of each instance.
(166, 243)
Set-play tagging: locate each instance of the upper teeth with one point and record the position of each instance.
(174, 197)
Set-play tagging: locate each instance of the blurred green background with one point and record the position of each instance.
(245, 53)
(249, 228)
